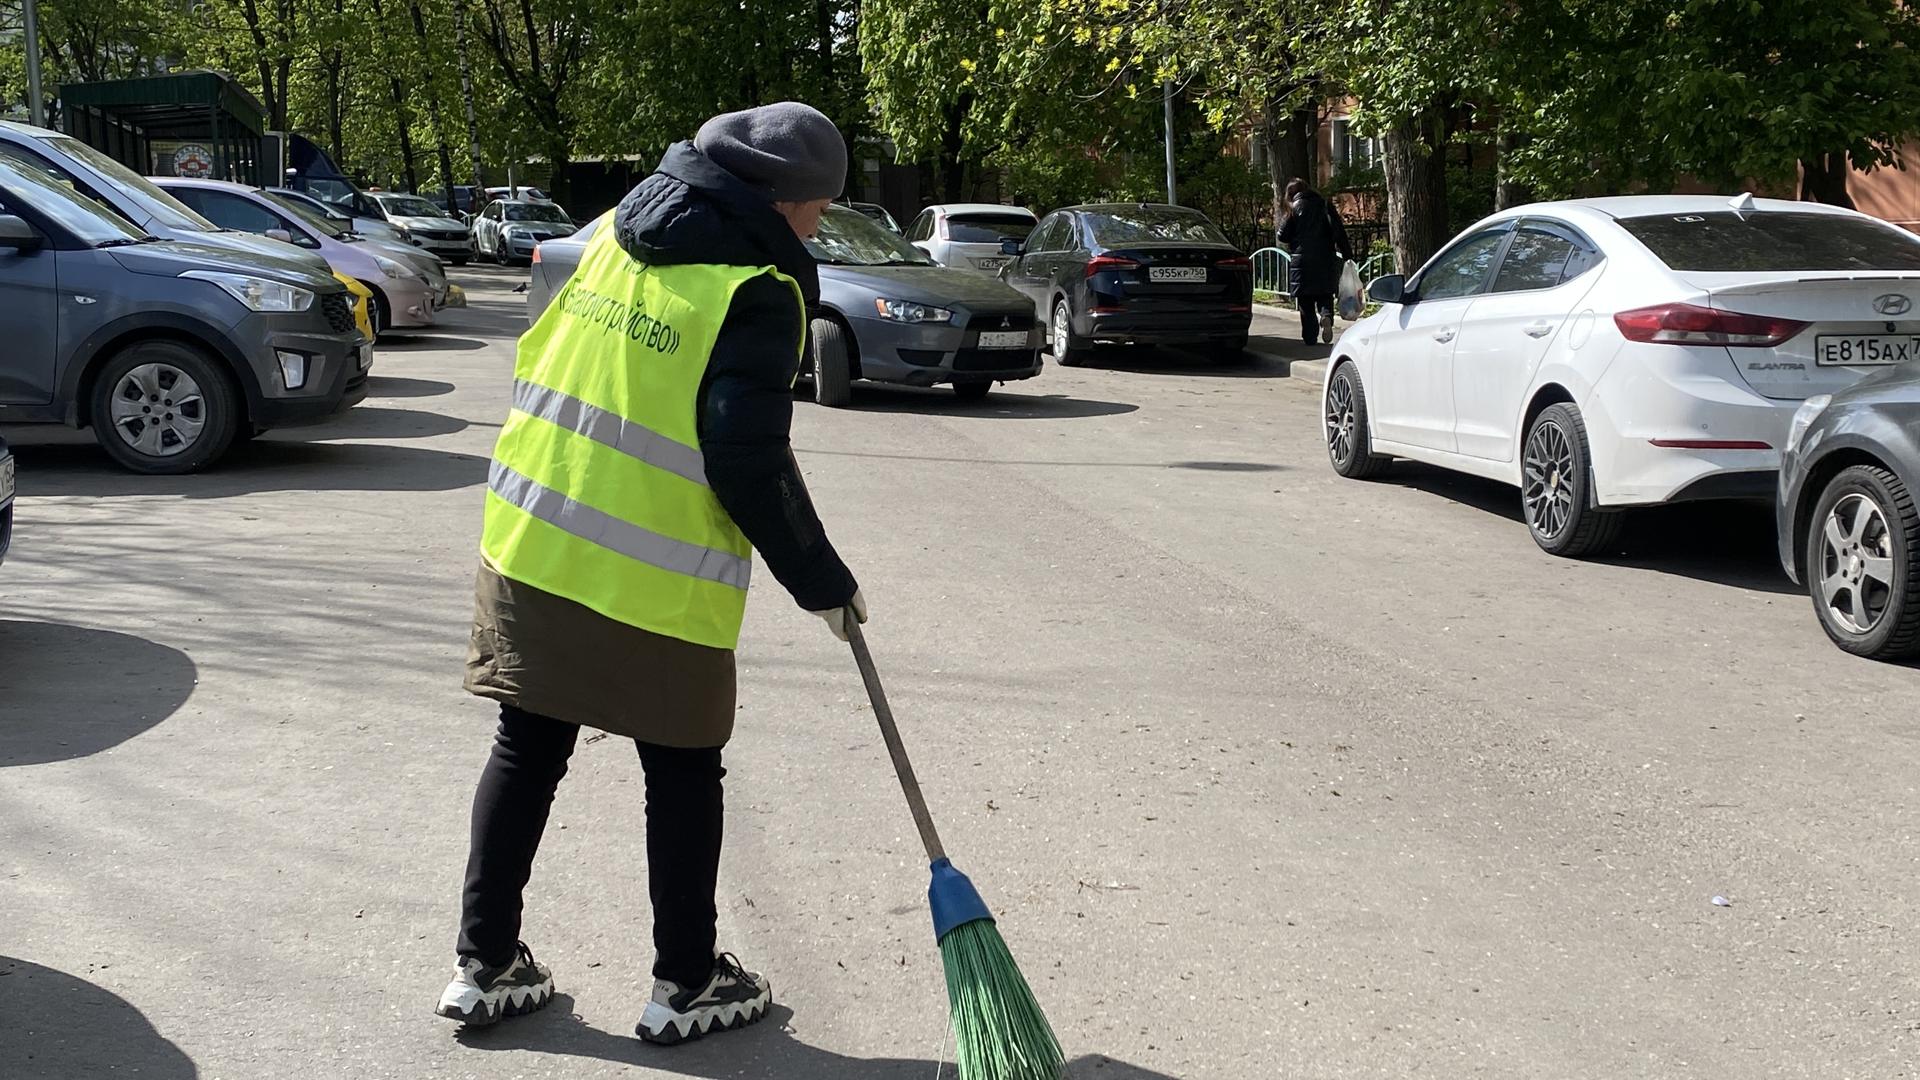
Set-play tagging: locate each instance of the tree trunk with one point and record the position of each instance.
(1823, 178)
(560, 154)
(466, 103)
(1507, 192)
(1414, 151)
(444, 152)
(953, 168)
(402, 120)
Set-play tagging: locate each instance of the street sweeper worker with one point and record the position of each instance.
(645, 458)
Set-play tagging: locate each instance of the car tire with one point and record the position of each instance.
(157, 435)
(1349, 436)
(1866, 516)
(1556, 486)
(972, 391)
(832, 367)
(1069, 348)
(379, 313)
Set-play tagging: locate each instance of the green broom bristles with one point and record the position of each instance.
(999, 1031)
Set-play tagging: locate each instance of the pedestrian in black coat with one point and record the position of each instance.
(1317, 241)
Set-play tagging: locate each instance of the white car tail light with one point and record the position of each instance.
(1690, 324)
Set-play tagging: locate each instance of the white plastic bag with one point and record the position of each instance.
(1349, 291)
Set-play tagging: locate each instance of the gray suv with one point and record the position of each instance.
(131, 195)
(170, 351)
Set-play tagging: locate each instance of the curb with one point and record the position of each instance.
(1315, 370)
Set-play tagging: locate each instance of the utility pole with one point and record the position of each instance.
(1166, 101)
(466, 97)
(36, 105)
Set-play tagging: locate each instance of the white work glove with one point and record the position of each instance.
(836, 618)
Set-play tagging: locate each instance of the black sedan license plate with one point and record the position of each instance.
(6, 481)
(1848, 350)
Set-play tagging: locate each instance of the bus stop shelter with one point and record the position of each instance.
(195, 123)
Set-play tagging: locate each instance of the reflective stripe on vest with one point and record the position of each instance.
(636, 543)
(598, 490)
(610, 429)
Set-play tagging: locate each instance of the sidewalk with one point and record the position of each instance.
(1276, 337)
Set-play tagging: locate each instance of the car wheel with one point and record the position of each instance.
(381, 315)
(1863, 564)
(1349, 439)
(1556, 485)
(972, 391)
(164, 408)
(1069, 348)
(832, 370)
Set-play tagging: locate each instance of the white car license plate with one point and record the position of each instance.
(6, 481)
(1176, 273)
(1003, 339)
(990, 264)
(1849, 350)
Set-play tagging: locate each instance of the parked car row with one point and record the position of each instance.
(1606, 354)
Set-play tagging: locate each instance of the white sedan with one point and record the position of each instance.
(1608, 353)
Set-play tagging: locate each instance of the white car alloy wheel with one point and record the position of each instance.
(1855, 571)
(1554, 487)
(158, 410)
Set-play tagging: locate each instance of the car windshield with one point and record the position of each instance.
(56, 199)
(851, 238)
(987, 228)
(1153, 225)
(1774, 240)
(168, 211)
(410, 206)
(527, 211)
(307, 215)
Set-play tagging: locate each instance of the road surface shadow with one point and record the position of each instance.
(1259, 362)
(61, 1026)
(1726, 543)
(1002, 404)
(769, 1050)
(70, 691)
(265, 465)
(394, 386)
(1723, 543)
(1202, 466)
(393, 341)
(372, 422)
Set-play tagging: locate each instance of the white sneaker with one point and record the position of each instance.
(480, 995)
(732, 997)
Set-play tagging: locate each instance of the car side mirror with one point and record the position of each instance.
(15, 233)
(1010, 246)
(1389, 289)
(281, 235)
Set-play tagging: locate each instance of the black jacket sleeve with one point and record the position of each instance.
(1341, 244)
(746, 412)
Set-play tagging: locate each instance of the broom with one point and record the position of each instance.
(999, 1031)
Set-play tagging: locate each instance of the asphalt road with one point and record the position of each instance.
(1266, 773)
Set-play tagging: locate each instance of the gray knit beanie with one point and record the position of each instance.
(790, 152)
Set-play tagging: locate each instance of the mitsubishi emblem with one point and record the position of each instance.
(1006, 322)
(1892, 304)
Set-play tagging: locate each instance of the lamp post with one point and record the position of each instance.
(36, 106)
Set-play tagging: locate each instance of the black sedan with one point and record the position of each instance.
(6, 499)
(1142, 273)
(1848, 527)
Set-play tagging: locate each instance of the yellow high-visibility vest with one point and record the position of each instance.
(598, 491)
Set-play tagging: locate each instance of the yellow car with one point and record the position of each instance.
(362, 297)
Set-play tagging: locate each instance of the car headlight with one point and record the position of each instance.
(910, 312)
(1803, 418)
(258, 293)
(391, 268)
(404, 233)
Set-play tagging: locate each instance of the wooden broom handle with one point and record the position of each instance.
(889, 731)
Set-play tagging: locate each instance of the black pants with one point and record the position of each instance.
(684, 816)
(1312, 310)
